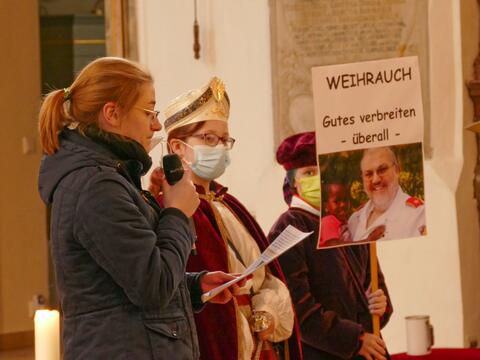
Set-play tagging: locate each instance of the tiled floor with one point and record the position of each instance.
(24, 354)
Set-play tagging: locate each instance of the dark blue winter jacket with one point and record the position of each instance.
(119, 259)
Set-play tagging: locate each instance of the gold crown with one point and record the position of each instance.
(210, 102)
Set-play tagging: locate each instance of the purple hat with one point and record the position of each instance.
(297, 151)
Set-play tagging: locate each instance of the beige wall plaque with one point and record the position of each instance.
(307, 33)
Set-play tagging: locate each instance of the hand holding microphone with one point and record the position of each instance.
(176, 177)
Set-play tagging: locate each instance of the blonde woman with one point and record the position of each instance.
(119, 258)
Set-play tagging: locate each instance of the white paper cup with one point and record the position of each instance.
(419, 334)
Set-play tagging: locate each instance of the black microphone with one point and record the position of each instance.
(173, 170)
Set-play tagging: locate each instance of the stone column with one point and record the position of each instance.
(474, 91)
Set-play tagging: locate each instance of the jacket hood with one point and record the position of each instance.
(76, 151)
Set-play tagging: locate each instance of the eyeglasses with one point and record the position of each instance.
(380, 171)
(213, 140)
(152, 114)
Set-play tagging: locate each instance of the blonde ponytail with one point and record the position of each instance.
(52, 118)
(103, 80)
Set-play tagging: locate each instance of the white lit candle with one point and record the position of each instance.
(47, 335)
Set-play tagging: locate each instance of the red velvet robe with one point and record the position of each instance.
(328, 289)
(216, 324)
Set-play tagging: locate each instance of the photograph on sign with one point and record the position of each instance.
(372, 194)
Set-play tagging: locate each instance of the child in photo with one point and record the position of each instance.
(334, 228)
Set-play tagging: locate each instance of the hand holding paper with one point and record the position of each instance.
(212, 280)
(287, 239)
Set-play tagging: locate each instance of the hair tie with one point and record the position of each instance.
(73, 125)
(67, 94)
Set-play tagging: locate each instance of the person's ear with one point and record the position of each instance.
(178, 147)
(397, 168)
(110, 115)
(296, 185)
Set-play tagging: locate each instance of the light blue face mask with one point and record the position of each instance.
(210, 162)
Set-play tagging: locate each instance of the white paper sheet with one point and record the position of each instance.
(287, 239)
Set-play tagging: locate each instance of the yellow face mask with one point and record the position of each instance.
(310, 190)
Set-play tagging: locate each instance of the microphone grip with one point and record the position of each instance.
(172, 168)
(194, 232)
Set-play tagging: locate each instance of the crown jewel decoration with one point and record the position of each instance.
(218, 89)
